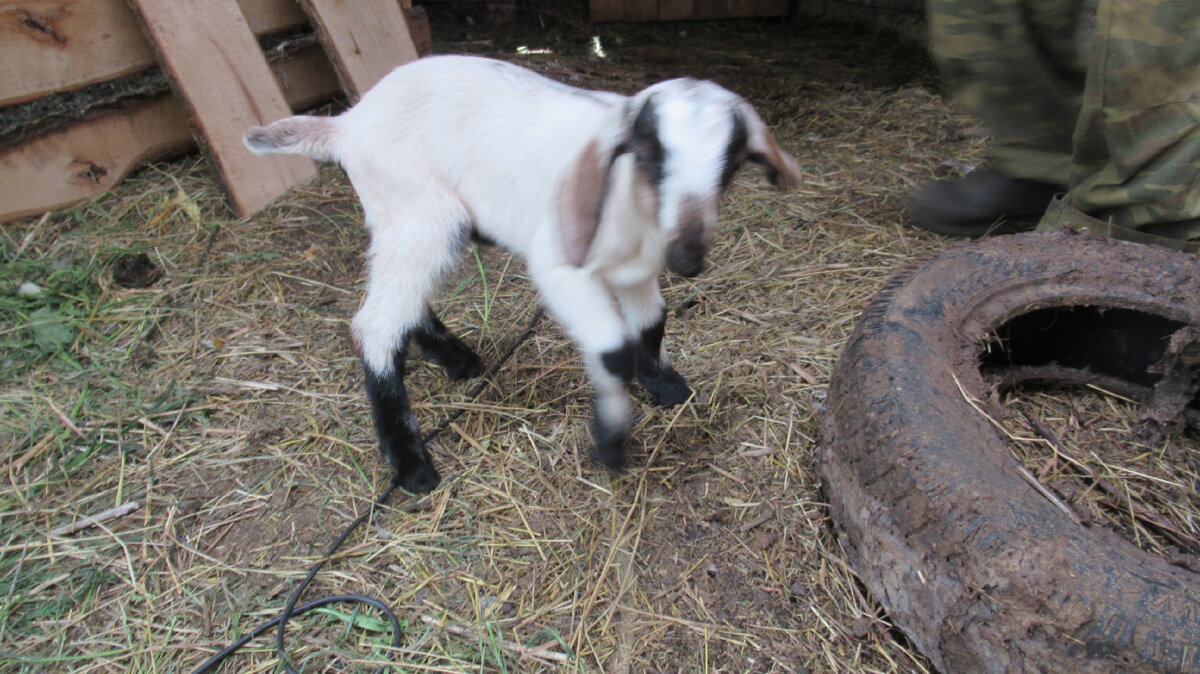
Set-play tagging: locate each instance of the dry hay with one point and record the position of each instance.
(223, 398)
(1105, 464)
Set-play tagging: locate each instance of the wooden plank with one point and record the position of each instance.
(365, 39)
(600, 11)
(220, 74)
(675, 10)
(683, 10)
(739, 9)
(418, 29)
(88, 158)
(59, 45)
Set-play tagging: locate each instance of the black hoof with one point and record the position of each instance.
(413, 467)
(465, 365)
(421, 479)
(609, 450)
(666, 387)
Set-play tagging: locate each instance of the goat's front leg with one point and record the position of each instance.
(588, 313)
(645, 312)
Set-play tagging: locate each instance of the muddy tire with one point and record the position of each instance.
(976, 567)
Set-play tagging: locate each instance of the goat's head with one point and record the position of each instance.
(688, 138)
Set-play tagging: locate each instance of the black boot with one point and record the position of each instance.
(982, 202)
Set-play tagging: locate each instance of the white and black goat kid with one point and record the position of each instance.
(598, 192)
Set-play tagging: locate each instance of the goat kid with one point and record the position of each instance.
(596, 191)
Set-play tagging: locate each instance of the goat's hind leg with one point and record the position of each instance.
(405, 260)
(645, 312)
(438, 344)
(399, 433)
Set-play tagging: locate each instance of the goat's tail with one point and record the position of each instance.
(303, 134)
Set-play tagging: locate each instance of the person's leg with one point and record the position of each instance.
(1016, 65)
(1136, 159)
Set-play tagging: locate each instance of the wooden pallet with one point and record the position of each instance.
(220, 77)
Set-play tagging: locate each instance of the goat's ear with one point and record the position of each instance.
(580, 202)
(782, 169)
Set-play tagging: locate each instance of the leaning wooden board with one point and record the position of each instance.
(365, 39)
(220, 75)
(59, 45)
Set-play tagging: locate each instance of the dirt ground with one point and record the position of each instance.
(218, 390)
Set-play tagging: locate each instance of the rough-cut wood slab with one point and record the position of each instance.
(65, 166)
(365, 39)
(221, 76)
(88, 158)
(59, 45)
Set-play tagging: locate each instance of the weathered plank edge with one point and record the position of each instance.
(72, 164)
(27, 53)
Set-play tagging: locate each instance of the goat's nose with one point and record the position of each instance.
(686, 257)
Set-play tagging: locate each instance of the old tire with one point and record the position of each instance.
(979, 570)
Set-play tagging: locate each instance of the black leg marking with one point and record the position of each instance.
(399, 435)
(440, 346)
(666, 387)
(610, 437)
(620, 363)
(481, 239)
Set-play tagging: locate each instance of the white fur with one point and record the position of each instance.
(450, 142)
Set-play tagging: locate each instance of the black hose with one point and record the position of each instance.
(291, 609)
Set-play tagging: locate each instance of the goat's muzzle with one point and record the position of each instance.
(685, 255)
(690, 239)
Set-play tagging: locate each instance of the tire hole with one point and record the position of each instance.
(1117, 342)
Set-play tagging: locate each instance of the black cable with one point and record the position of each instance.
(290, 609)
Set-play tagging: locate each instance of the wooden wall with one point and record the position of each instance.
(683, 10)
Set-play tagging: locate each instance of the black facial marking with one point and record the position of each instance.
(399, 436)
(438, 344)
(645, 144)
(735, 152)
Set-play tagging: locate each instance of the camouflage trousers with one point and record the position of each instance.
(1100, 96)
